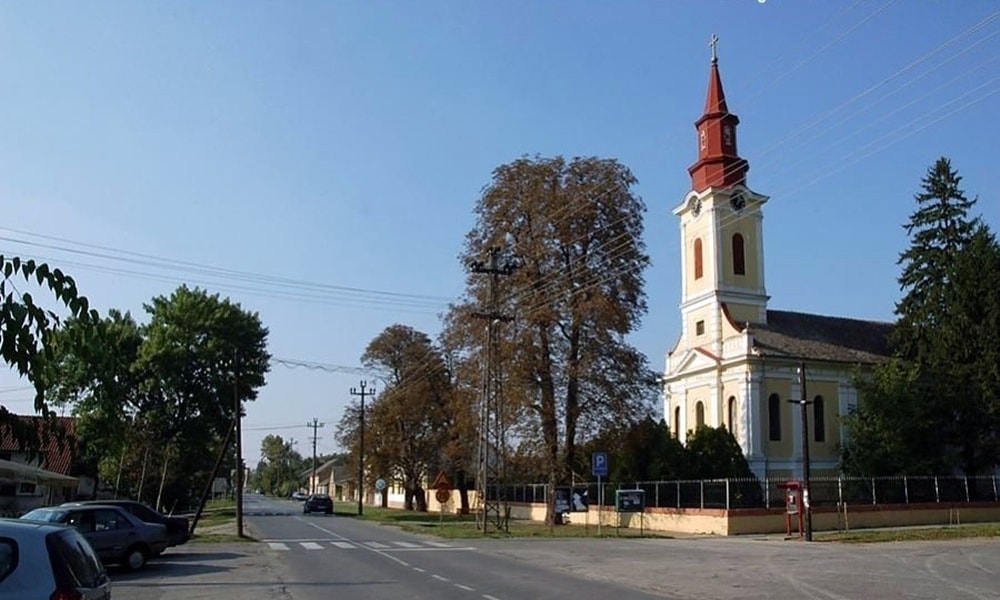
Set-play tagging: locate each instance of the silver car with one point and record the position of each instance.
(117, 536)
(40, 561)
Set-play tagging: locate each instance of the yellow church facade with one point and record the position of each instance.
(738, 363)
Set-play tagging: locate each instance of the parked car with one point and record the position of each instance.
(178, 527)
(116, 535)
(318, 503)
(43, 561)
(300, 496)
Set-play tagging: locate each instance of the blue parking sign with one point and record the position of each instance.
(599, 463)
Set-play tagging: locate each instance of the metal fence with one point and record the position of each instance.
(769, 493)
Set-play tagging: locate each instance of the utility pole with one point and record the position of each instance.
(804, 406)
(492, 432)
(361, 446)
(315, 425)
(239, 443)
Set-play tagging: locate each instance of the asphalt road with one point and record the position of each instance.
(319, 556)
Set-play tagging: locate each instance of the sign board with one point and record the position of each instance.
(599, 464)
(442, 495)
(442, 482)
(571, 499)
(380, 484)
(630, 500)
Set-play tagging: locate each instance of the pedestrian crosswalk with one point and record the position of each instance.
(318, 544)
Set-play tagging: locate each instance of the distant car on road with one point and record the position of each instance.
(44, 561)
(300, 496)
(178, 528)
(318, 503)
(116, 535)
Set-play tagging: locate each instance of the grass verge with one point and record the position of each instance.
(465, 527)
(911, 534)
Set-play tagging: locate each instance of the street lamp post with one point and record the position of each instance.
(804, 405)
(361, 447)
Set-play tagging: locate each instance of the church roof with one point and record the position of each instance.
(819, 337)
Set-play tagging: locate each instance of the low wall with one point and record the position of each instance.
(753, 520)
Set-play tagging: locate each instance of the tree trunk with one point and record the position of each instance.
(572, 399)
(550, 428)
(142, 474)
(163, 478)
(421, 498)
(463, 492)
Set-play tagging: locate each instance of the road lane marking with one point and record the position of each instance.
(277, 546)
(407, 544)
(488, 597)
(440, 544)
(311, 546)
(439, 578)
(378, 545)
(344, 545)
(464, 587)
(419, 570)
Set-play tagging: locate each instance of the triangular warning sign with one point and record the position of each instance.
(442, 481)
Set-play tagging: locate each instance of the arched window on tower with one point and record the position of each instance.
(699, 415)
(698, 267)
(739, 257)
(819, 422)
(774, 417)
(677, 422)
(731, 413)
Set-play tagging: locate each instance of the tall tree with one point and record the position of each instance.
(25, 331)
(414, 410)
(945, 388)
(198, 349)
(575, 229)
(939, 229)
(90, 370)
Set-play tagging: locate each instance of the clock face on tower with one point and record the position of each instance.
(738, 201)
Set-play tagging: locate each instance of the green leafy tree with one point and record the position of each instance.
(25, 331)
(892, 430)
(279, 468)
(645, 451)
(90, 370)
(714, 453)
(199, 351)
(949, 293)
(574, 229)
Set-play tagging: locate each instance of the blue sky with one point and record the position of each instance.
(343, 144)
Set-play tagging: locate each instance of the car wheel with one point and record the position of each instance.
(135, 558)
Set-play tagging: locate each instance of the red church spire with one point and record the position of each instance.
(718, 163)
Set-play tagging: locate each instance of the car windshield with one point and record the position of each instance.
(45, 514)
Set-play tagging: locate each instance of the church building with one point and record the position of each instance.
(738, 363)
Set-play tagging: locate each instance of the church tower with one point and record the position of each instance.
(721, 232)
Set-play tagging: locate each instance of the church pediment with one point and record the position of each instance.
(694, 359)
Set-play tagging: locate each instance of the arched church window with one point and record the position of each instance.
(699, 415)
(739, 258)
(774, 417)
(819, 422)
(698, 267)
(731, 413)
(677, 421)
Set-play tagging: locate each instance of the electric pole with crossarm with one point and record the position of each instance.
(361, 446)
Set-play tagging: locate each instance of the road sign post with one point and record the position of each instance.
(599, 467)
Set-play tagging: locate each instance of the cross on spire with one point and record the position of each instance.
(714, 43)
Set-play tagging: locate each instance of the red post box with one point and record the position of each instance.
(793, 506)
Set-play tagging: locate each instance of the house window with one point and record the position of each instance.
(699, 415)
(26, 489)
(699, 328)
(731, 412)
(819, 422)
(677, 421)
(774, 417)
(698, 267)
(739, 259)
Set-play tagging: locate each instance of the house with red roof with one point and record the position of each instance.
(51, 475)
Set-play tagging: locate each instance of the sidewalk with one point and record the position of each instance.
(211, 571)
